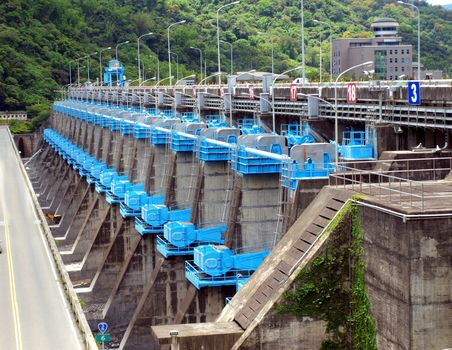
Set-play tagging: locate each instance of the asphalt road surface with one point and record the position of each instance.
(33, 311)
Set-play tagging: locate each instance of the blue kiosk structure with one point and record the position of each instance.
(114, 74)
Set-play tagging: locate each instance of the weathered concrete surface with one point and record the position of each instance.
(27, 144)
(409, 278)
(254, 207)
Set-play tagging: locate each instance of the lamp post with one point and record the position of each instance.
(218, 35)
(158, 67)
(200, 60)
(177, 63)
(336, 124)
(232, 55)
(78, 69)
(138, 49)
(331, 46)
(87, 62)
(100, 64)
(169, 49)
(302, 42)
(320, 56)
(210, 76)
(418, 36)
(273, 95)
(142, 83)
(118, 45)
(273, 53)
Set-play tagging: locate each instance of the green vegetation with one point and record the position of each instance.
(38, 39)
(333, 289)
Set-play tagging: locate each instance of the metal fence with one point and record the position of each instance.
(401, 186)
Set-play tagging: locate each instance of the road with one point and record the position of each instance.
(33, 311)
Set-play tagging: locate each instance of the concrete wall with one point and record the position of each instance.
(409, 280)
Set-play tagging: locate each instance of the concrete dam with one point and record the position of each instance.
(181, 230)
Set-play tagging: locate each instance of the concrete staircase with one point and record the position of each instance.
(275, 276)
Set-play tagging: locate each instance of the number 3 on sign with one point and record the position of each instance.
(414, 93)
(351, 93)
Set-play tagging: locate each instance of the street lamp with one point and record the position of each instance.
(123, 43)
(273, 95)
(218, 35)
(336, 124)
(100, 64)
(418, 36)
(232, 56)
(210, 76)
(302, 42)
(184, 78)
(331, 46)
(169, 49)
(142, 83)
(200, 59)
(138, 48)
(273, 53)
(70, 72)
(78, 69)
(157, 83)
(87, 61)
(177, 63)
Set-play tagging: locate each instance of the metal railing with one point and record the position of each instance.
(396, 186)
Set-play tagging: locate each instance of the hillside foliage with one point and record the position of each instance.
(39, 38)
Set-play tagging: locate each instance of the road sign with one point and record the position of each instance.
(351, 93)
(102, 327)
(251, 92)
(293, 92)
(103, 338)
(414, 93)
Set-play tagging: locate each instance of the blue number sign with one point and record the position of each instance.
(414, 93)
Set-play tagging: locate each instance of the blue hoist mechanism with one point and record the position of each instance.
(248, 126)
(308, 161)
(190, 117)
(158, 137)
(95, 172)
(180, 238)
(215, 121)
(358, 145)
(245, 162)
(88, 166)
(118, 187)
(114, 74)
(134, 199)
(297, 134)
(105, 178)
(155, 216)
(85, 167)
(181, 143)
(211, 151)
(217, 265)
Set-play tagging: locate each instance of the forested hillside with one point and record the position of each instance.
(39, 38)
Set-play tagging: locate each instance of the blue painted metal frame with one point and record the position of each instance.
(200, 280)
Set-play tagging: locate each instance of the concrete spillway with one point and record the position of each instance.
(123, 279)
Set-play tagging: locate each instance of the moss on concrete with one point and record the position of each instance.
(333, 287)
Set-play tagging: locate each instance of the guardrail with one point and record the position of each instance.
(71, 296)
(396, 189)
